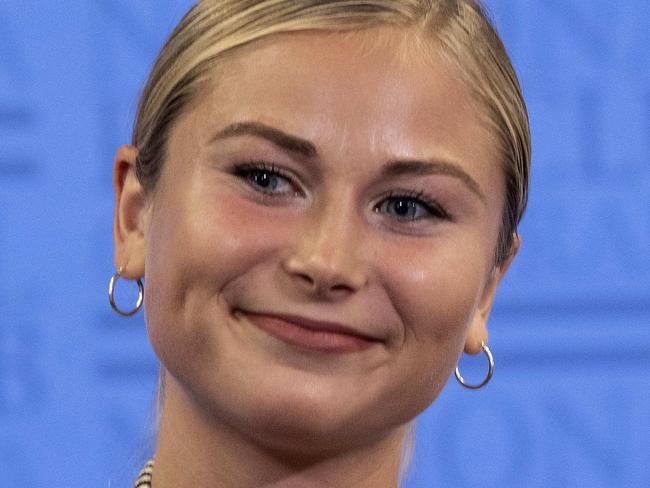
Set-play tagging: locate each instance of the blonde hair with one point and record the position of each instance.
(213, 29)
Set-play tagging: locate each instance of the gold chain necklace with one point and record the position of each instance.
(144, 478)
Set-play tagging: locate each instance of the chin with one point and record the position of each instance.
(299, 434)
(298, 424)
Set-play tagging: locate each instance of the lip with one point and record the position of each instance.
(311, 334)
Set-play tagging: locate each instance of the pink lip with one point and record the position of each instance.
(311, 334)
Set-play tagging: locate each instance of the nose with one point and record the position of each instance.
(325, 259)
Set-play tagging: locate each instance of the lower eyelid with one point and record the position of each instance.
(243, 171)
(433, 209)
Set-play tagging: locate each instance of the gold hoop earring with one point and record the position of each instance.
(111, 295)
(488, 354)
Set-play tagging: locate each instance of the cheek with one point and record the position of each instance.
(435, 290)
(435, 293)
(195, 247)
(436, 286)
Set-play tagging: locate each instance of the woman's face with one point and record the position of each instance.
(326, 177)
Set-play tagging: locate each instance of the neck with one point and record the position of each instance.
(195, 449)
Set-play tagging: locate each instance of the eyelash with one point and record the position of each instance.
(431, 207)
(244, 170)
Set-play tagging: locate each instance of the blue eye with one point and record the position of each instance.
(265, 178)
(411, 207)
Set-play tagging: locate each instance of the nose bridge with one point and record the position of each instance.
(326, 253)
(330, 224)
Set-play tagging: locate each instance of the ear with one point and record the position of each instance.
(131, 215)
(478, 329)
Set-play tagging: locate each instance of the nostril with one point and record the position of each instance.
(341, 288)
(306, 277)
(322, 277)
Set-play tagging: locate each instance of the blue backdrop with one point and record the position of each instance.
(569, 405)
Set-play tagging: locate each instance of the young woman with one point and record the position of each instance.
(323, 197)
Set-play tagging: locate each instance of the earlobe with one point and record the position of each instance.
(477, 336)
(478, 333)
(131, 212)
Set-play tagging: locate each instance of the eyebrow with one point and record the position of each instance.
(308, 150)
(432, 167)
(281, 139)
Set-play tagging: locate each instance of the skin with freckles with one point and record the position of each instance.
(275, 198)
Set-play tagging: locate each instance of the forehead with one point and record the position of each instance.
(381, 92)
